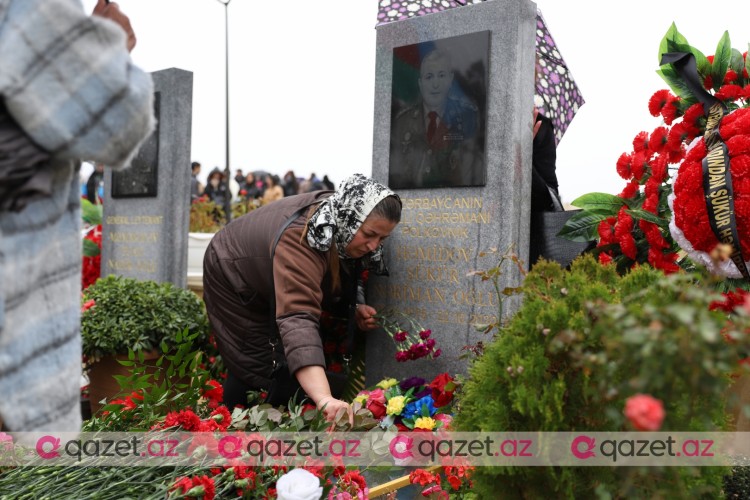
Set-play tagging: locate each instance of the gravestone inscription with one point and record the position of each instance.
(147, 207)
(447, 228)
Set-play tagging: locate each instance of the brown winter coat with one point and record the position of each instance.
(238, 287)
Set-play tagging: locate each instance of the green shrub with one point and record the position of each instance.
(129, 314)
(584, 341)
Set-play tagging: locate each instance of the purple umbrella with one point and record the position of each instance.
(557, 93)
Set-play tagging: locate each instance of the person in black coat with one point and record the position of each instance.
(543, 161)
(216, 189)
(95, 181)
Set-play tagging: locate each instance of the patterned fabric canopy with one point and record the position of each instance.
(557, 94)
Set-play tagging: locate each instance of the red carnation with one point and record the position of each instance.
(222, 417)
(197, 486)
(184, 418)
(181, 485)
(693, 114)
(454, 481)
(659, 169)
(624, 166)
(402, 356)
(730, 77)
(644, 412)
(730, 301)
(630, 190)
(669, 112)
(708, 83)
(658, 140)
(658, 101)
(422, 477)
(354, 479)
(606, 231)
(640, 142)
(639, 164)
(215, 395)
(442, 387)
(623, 234)
(729, 93)
(376, 403)
(677, 135)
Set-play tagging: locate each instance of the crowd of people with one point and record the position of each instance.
(259, 186)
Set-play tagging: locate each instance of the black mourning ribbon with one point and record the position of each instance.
(717, 178)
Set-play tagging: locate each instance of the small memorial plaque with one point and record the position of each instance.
(140, 180)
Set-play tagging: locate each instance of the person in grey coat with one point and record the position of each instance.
(69, 92)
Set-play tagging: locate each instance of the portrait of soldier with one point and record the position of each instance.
(435, 142)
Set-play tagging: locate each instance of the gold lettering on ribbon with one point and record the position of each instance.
(718, 189)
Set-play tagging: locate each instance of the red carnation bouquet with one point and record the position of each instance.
(413, 341)
(662, 209)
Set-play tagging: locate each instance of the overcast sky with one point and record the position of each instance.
(302, 77)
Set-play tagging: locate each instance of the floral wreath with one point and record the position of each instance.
(657, 214)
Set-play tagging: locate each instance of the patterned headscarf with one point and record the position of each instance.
(340, 217)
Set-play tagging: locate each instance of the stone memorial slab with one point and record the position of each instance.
(465, 181)
(147, 206)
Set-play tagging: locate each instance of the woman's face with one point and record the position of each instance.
(369, 236)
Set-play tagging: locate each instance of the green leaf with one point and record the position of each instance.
(90, 249)
(599, 201)
(721, 60)
(737, 62)
(90, 213)
(582, 226)
(672, 36)
(640, 214)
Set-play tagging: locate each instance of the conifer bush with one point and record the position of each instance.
(582, 343)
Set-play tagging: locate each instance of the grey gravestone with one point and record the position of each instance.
(445, 229)
(146, 206)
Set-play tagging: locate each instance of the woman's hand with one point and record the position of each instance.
(112, 11)
(365, 317)
(333, 408)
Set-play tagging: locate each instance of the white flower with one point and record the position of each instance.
(299, 484)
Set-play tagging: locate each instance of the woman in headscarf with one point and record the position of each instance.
(269, 274)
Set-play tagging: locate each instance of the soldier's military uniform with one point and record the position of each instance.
(451, 158)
